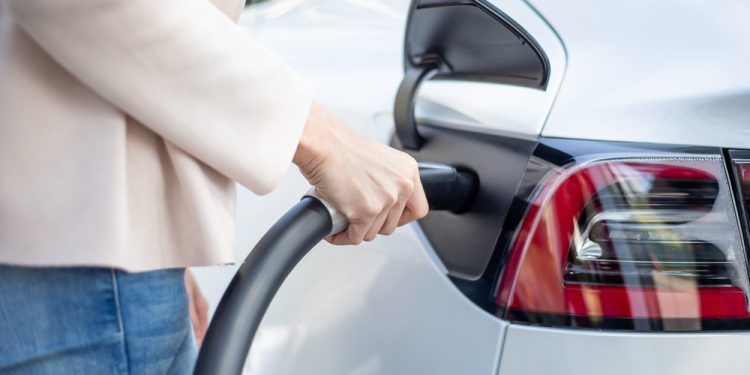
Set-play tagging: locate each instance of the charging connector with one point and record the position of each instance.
(260, 276)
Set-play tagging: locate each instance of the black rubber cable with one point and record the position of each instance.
(247, 297)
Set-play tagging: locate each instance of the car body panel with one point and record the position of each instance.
(533, 350)
(387, 306)
(384, 308)
(662, 72)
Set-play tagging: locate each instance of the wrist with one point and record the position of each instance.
(312, 147)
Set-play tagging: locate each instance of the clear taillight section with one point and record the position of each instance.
(742, 169)
(629, 239)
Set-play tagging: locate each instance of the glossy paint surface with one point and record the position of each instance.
(386, 306)
(661, 72)
(542, 351)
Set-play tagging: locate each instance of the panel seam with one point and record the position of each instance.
(499, 360)
(120, 323)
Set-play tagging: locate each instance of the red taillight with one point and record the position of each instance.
(630, 239)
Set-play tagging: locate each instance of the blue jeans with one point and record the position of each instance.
(94, 321)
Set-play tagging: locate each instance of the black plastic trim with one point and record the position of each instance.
(628, 324)
(465, 242)
(403, 110)
(730, 158)
(456, 33)
(462, 40)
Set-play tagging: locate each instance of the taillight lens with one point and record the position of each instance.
(629, 238)
(742, 168)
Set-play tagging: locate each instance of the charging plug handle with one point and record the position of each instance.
(448, 188)
(246, 299)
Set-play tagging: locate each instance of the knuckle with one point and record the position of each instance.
(406, 184)
(391, 198)
(365, 212)
(351, 215)
(372, 210)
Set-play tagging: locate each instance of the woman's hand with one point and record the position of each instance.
(197, 306)
(375, 186)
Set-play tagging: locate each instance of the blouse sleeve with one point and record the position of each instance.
(184, 69)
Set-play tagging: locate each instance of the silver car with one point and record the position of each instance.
(609, 232)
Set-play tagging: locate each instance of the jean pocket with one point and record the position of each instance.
(48, 310)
